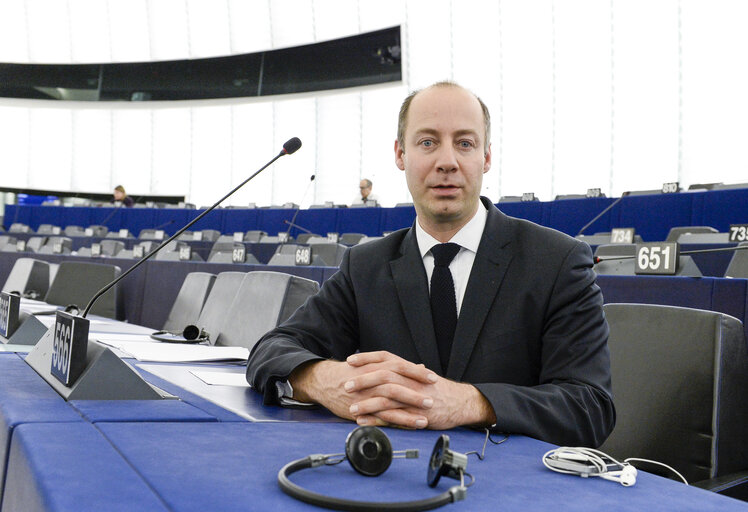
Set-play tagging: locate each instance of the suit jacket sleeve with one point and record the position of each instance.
(571, 403)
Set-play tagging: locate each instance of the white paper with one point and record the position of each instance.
(214, 378)
(175, 353)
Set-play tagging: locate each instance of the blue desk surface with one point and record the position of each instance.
(72, 467)
(233, 466)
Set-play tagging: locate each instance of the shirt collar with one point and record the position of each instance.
(468, 236)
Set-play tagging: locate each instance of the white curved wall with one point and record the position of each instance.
(584, 93)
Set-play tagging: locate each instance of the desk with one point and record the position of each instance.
(233, 466)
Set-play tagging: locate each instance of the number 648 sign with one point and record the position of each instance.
(660, 258)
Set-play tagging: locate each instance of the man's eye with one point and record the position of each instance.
(465, 144)
(427, 143)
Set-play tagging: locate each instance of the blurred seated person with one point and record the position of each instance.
(121, 197)
(366, 195)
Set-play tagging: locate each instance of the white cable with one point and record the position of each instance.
(588, 462)
(658, 464)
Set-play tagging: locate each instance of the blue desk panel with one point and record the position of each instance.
(360, 220)
(95, 411)
(72, 467)
(239, 219)
(397, 218)
(729, 296)
(654, 215)
(570, 215)
(725, 207)
(233, 466)
(25, 398)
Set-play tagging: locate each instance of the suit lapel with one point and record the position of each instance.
(413, 292)
(491, 263)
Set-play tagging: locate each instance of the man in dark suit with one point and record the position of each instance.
(528, 353)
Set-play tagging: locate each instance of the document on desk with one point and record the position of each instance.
(175, 353)
(219, 378)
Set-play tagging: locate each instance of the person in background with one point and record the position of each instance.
(121, 197)
(366, 195)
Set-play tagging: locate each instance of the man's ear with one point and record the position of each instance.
(399, 156)
(487, 160)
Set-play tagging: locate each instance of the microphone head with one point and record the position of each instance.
(291, 145)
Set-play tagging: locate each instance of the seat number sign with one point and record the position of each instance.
(622, 236)
(185, 253)
(303, 256)
(69, 348)
(738, 232)
(10, 304)
(659, 258)
(239, 253)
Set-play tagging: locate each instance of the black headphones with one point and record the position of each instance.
(369, 451)
(190, 334)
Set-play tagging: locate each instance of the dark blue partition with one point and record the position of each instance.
(570, 215)
(528, 210)
(271, 221)
(138, 219)
(239, 219)
(318, 220)
(360, 220)
(725, 207)
(654, 215)
(397, 218)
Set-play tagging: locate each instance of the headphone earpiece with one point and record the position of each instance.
(368, 451)
(190, 334)
(445, 462)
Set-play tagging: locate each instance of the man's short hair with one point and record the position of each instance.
(402, 118)
(367, 182)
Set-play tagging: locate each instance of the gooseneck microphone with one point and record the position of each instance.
(608, 208)
(293, 219)
(598, 259)
(291, 146)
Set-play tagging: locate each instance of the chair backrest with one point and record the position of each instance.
(77, 282)
(48, 229)
(112, 247)
(738, 266)
(328, 255)
(189, 302)
(28, 276)
(676, 232)
(263, 301)
(74, 231)
(254, 235)
(57, 245)
(679, 378)
(18, 227)
(6, 239)
(35, 243)
(351, 238)
(98, 230)
(215, 310)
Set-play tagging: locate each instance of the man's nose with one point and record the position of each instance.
(446, 159)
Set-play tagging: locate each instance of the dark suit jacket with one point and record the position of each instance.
(531, 335)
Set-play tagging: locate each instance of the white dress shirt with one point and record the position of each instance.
(468, 238)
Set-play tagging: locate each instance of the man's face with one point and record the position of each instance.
(118, 195)
(365, 189)
(443, 156)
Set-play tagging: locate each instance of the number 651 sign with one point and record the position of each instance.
(660, 258)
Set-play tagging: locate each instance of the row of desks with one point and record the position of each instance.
(716, 208)
(190, 454)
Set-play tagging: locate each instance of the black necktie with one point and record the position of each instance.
(443, 301)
